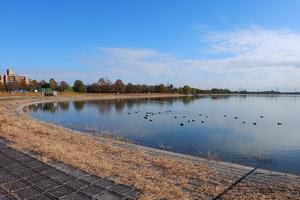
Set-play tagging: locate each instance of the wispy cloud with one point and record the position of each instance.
(253, 58)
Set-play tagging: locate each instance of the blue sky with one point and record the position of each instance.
(233, 44)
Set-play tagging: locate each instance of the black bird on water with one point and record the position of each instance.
(235, 117)
(193, 120)
(279, 123)
(181, 124)
(200, 114)
(150, 120)
(243, 122)
(202, 121)
(225, 115)
(175, 117)
(183, 116)
(254, 123)
(261, 116)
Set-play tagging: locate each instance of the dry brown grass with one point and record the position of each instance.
(157, 176)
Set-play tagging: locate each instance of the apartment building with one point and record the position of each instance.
(11, 78)
(1, 79)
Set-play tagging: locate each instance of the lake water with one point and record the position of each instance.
(223, 126)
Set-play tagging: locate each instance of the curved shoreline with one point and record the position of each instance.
(150, 149)
(173, 175)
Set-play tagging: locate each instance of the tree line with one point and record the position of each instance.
(105, 85)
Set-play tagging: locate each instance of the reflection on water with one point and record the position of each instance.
(221, 127)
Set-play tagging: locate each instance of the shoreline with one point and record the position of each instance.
(203, 170)
(20, 110)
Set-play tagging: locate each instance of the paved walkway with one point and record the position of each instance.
(24, 177)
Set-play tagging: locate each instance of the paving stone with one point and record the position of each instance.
(25, 158)
(27, 192)
(22, 171)
(77, 184)
(92, 190)
(42, 197)
(14, 154)
(7, 178)
(9, 163)
(91, 178)
(36, 178)
(76, 196)
(109, 196)
(13, 186)
(60, 191)
(4, 197)
(33, 163)
(42, 168)
(27, 178)
(121, 189)
(104, 183)
(62, 177)
(52, 173)
(3, 157)
(74, 172)
(48, 185)
(134, 194)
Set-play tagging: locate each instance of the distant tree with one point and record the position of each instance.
(2, 87)
(23, 85)
(105, 85)
(162, 88)
(41, 83)
(186, 89)
(53, 84)
(34, 85)
(12, 86)
(130, 88)
(79, 86)
(219, 91)
(94, 88)
(46, 85)
(170, 87)
(63, 86)
(119, 86)
(139, 88)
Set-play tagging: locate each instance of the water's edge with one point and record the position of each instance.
(20, 111)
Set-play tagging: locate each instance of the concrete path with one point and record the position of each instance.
(24, 177)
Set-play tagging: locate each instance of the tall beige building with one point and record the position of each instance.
(1, 79)
(11, 78)
(9, 72)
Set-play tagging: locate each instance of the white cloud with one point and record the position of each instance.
(255, 58)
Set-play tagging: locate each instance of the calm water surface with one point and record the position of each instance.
(224, 138)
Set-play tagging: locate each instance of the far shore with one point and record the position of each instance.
(157, 173)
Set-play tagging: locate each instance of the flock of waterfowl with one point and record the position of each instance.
(148, 115)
